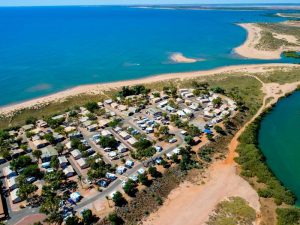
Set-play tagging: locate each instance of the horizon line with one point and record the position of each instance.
(163, 4)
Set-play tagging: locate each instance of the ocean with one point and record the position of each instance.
(47, 49)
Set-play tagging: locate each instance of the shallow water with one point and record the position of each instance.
(47, 49)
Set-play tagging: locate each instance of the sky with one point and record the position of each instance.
(128, 2)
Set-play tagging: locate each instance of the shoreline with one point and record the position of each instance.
(248, 48)
(94, 89)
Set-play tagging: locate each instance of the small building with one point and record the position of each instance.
(69, 171)
(110, 176)
(69, 129)
(132, 141)
(122, 108)
(47, 153)
(76, 154)
(154, 112)
(82, 163)
(149, 130)
(179, 100)
(108, 101)
(103, 123)
(92, 127)
(40, 143)
(129, 163)
(14, 196)
(8, 173)
(106, 133)
(124, 135)
(155, 100)
(58, 117)
(163, 104)
(114, 105)
(118, 129)
(28, 127)
(75, 196)
(122, 148)
(112, 155)
(12, 183)
(63, 162)
(121, 169)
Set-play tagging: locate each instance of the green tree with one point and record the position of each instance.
(91, 106)
(73, 220)
(118, 199)
(130, 188)
(87, 217)
(49, 137)
(59, 148)
(108, 141)
(37, 154)
(154, 172)
(115, 219)
(143, 179)
(31, 120)
(25, 188)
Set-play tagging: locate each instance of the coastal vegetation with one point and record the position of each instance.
(255, 170)
(270, 31)
(235, 210)
(291, 54)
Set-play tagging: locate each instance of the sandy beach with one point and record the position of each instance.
(93, 89)
(248, 48)
(180, 58)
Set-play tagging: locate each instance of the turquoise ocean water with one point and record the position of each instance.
(280, 143)
(47, 49)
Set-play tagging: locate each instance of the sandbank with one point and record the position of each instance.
(180, 58)
(249, 50)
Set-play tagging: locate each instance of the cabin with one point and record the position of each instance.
(124, 135)
(38, 144)
(69, 171)
(76, 154)
(63, 162)
(120, 170)
(106, 133)
(47, 153)
(8, 173)
(14, 196)
(122, 148)
(132, 141)
(12, 183)
(82, 163)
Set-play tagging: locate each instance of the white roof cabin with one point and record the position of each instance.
(7, 172)
(122, 148)
(14, 196)
(124, 135)
(163, 104)
(122, 108)
(108, 101)
(76, 154)
(106, 133)
(82, 163)
(132, 141)
(12, 183)
(62, 161)
(69, 171)
(114, 105)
